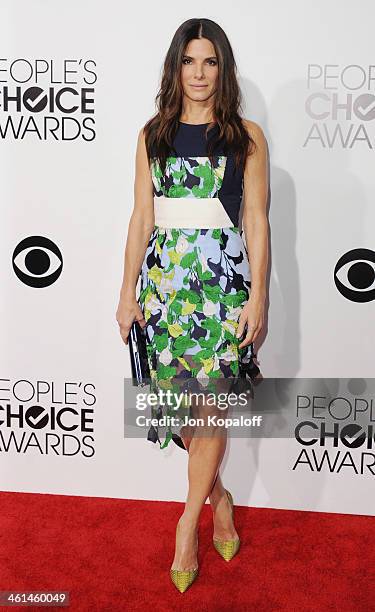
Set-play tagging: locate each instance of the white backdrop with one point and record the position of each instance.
(68, 177)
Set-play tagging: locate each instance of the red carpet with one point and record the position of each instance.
(114, 555)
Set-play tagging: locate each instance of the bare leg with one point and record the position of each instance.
(224, 528)
(206, 450)
(222, 515)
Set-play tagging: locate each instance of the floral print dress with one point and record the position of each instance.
(195, 281)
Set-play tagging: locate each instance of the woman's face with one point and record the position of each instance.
(199, 71)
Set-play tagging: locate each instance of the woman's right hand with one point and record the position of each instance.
(128, 311)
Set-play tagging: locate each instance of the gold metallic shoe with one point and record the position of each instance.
(227, 548)
(183, 579)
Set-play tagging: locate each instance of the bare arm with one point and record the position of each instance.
(140, 228)
(255, 225)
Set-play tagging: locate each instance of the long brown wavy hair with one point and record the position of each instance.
(161, 128)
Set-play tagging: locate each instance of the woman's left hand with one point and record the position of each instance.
(252, 314)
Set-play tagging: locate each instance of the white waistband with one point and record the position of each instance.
(190, 213)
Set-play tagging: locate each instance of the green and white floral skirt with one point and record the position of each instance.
(194, 284)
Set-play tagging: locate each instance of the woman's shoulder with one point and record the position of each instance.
(142, 128)
(254, 130)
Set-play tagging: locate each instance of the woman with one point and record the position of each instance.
(195, 160)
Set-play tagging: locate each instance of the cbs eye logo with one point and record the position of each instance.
(354, 275)
(37, 261)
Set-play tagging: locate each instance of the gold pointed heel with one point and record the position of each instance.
(183, 579)
(227, 548)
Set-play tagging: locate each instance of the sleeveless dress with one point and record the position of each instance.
(195, 277)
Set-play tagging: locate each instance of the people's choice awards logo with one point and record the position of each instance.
(47, 100)
(354, 275)
(37, 261)
(43, 417)
(341, 105)
(329, 430)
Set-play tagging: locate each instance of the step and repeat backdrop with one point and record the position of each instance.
(76, 85)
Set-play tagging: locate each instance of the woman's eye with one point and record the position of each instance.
(211, 62)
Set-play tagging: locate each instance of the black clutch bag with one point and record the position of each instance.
(138, 355)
